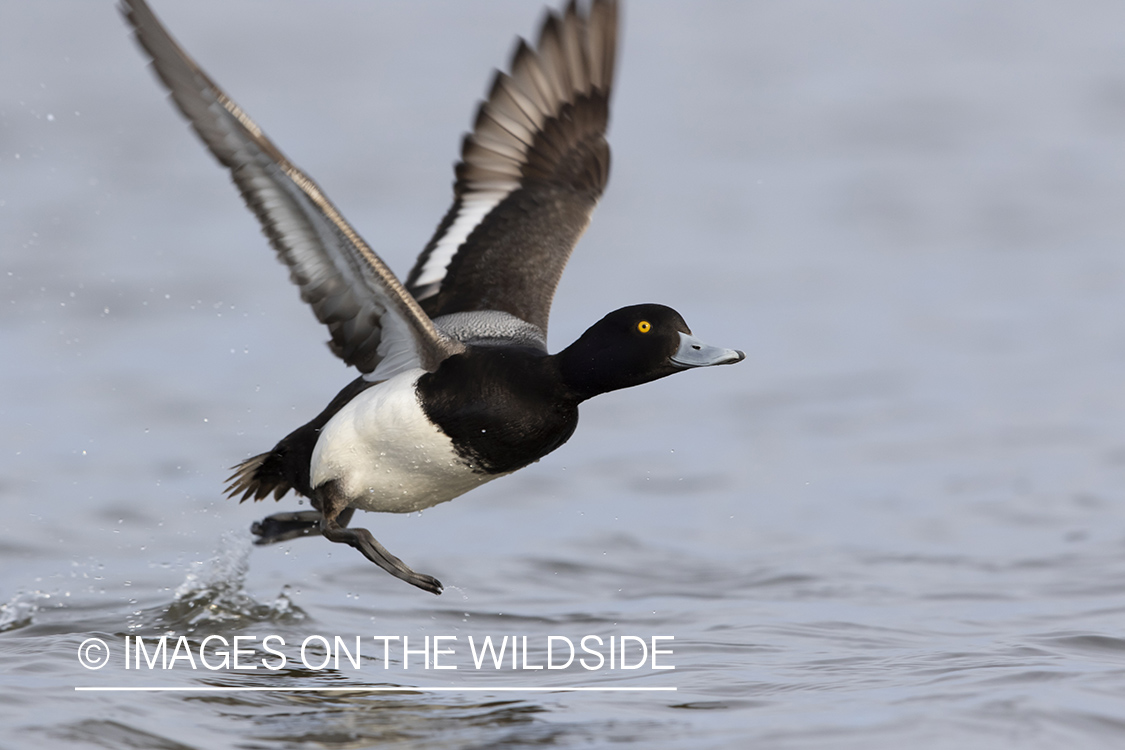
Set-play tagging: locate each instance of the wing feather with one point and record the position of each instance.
(530, 175)
(372, 319)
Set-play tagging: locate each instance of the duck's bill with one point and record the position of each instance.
(694, 353)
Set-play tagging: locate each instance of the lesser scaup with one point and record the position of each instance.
(456, 385)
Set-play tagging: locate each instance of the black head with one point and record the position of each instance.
(634, 345)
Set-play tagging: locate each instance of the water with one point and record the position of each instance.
(897, 524)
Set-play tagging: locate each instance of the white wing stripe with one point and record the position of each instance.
(541, 127)
(474, 208)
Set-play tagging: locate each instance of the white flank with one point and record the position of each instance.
(387, 455)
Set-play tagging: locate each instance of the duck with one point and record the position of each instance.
(455, 384)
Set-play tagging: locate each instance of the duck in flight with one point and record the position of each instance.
(456, 386)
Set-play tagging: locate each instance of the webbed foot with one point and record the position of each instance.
(362, 540)
(281, 527)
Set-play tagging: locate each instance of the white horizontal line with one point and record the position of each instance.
(364, 689)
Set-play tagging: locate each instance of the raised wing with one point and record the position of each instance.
(374, 322)
(530, 175)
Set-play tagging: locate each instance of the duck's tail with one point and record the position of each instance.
(258, 476)
(286, 467)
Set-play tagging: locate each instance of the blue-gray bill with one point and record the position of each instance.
(695, 353)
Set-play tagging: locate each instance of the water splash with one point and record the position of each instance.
(226, 571)
(213, 597)
(20, 610)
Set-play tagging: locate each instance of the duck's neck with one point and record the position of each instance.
(590, 367)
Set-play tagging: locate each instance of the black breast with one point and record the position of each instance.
(503, 407)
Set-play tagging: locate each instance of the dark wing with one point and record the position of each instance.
(530, 175)
(374, 322)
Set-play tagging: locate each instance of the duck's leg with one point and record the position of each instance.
(281, 527)
(333, 509)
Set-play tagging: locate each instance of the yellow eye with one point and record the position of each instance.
(644, 326)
